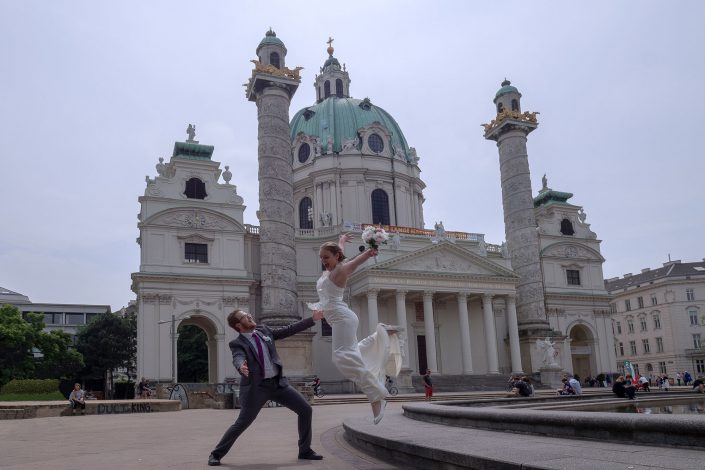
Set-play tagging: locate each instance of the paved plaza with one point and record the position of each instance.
(179, 440)
(183, 440)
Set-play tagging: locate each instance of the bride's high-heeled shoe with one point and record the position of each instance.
(383, 405)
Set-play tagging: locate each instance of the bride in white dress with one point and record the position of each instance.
(366, 362)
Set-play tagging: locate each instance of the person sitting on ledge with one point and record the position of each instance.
(567, 388)
(521, 388)
(622, 390)
(77, 399)
(699, 385)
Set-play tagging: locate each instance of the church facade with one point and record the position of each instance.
(346, 165)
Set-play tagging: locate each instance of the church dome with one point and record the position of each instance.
(341, 118)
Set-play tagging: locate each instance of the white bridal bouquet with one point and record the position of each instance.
(374, 236)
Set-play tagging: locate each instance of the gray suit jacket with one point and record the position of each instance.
(243, 350)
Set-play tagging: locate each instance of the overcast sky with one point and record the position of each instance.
(93, 93)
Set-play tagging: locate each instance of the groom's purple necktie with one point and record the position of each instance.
(260, 353)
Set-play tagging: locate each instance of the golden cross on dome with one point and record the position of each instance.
(330, 41)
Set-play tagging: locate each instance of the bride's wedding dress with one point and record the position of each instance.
(366, 362)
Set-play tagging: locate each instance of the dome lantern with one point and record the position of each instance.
(271, 50)
(333, 80)
(508, 98)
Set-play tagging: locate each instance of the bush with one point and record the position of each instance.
(31, 386)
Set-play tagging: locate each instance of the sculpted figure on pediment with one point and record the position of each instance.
(195, 219)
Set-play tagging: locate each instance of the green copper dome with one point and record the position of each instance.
(506, 88)
(341, 118)
(270, 38)
(331, 60)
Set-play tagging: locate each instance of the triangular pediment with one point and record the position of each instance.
(444, 258)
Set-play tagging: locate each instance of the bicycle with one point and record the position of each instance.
(389, 385)
(318, 392)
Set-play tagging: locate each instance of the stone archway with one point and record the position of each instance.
(582, 349)
(207, 326)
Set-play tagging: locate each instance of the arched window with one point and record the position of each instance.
(274, 59)
(380, 207)
(195, 189)
(567, 227)
(339, 88)
(326, 89)
(500, 107)
(515, 105)
(306, 213)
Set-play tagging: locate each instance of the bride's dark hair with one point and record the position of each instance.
(334, 249)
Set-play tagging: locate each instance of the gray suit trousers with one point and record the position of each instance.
(252, 401)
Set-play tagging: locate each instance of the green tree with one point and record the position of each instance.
(20, 339)
(193, 354)
(108, 342)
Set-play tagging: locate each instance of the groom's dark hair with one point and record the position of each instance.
(233, 319)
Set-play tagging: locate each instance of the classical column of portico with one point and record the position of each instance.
(464, 323)
(401, 321)
(513, 328)
(430, 331)
(372, 314)
(490, 334)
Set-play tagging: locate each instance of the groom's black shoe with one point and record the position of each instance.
(310, 455)
(213, 461)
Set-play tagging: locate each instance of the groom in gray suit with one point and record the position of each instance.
(255, 358)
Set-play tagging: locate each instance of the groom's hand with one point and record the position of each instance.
(244, 370)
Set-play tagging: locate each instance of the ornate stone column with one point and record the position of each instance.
(401, 321)
(430, 331)
(271, 87)
(464, 322)
(512, 327)
(490, 334)
(372, 313)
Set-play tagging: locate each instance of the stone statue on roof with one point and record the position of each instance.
(191, 132)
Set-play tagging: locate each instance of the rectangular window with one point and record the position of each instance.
(700, 366)
(662, 367)
(659, 344)
(632, 347)
(645, 344)
(696, 341)
(640, 301)
(693, 317)
(630, 326)
(628, 305)
(621, 349)
(573, 276)
(53, 318)
(654, 300)
(619, 327)
(419, 311)
(613, 308)
(657, 322)
(642, 324)
(326, 329)
(689, 294)
(636, 369)
(196, 253)
(74, 319)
